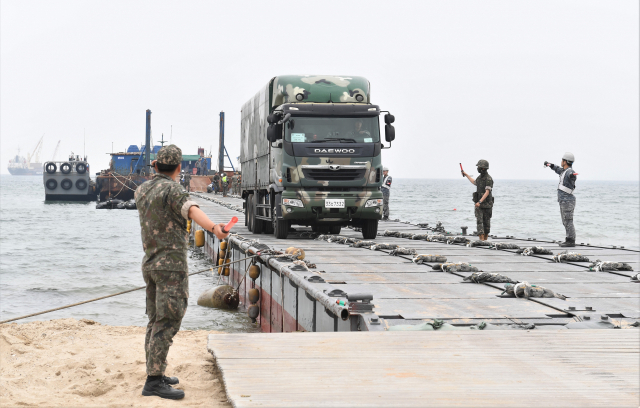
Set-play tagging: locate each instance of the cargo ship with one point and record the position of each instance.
(21, 166)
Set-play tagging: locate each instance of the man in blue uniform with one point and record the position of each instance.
(566, 199)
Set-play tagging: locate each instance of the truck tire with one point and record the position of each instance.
(248, 211)
(280, 228)
(335, 230)
(258, 224)
(369, 229)
(268, 226)
(321, 229)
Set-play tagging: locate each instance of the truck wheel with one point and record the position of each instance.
(369, 229)
(258, 225)
(335, 230)
(280, 228)
(248, 212)
(268, 226)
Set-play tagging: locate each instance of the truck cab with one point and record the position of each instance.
(310, 161)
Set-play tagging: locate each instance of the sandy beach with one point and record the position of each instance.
(81, 363)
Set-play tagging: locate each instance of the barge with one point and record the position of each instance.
(357, 289)
(365, 312)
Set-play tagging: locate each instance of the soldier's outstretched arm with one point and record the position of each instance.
(202, 220)
(471, 179)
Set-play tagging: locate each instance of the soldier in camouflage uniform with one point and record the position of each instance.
(216, 183)
(566, 199)
(234, 183)
(386, 193)
(187, 182)
(164, 208)
(483, 199)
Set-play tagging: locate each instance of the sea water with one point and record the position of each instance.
(55, 254)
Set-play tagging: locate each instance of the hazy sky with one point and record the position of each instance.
(513, 82)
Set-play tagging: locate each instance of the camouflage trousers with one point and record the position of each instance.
(385, 203)
(483, 220)
(566, 212)
(167, 295)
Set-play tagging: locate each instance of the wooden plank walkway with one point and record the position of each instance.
(570, 368)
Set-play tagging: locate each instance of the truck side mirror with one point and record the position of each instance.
(274, 132)
(389, 118)
(272, 118)
(389, 133)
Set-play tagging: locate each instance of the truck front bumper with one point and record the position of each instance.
(314, 208)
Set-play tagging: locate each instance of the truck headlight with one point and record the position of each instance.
(292, 202)
(374, 203)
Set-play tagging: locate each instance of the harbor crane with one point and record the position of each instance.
(36, 151)
(55, 152)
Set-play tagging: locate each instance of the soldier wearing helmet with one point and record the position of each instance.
(386, 193)
(566, 199)
(483, 199)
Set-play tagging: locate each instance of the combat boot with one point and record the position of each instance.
(568, 242)
(171, 380)
(160, 388)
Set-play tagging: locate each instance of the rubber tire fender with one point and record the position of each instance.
(81, 184)
(369, 229)
(81, 168)
(51, 184)
(51, 168)
(65, 168)
(66, 184)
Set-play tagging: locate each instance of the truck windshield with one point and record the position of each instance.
(341, 130)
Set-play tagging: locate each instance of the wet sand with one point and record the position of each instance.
(80, 363)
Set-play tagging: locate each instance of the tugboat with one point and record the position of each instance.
(68, 180)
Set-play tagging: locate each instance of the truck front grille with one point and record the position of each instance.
(333, 175)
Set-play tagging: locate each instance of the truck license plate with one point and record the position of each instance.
(334, 203)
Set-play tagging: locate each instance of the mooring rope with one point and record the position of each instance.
(115, 294)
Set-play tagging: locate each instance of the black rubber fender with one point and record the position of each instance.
(81, 168)
(65, 168)
(66, 184)
(51, 168)
(81, 184)
(51, 184)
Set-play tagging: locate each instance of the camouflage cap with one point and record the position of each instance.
(171, 155)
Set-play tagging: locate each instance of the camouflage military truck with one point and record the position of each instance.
(311, 155)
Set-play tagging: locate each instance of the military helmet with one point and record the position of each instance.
(385, 169)
(483, 164)
(569, 157)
